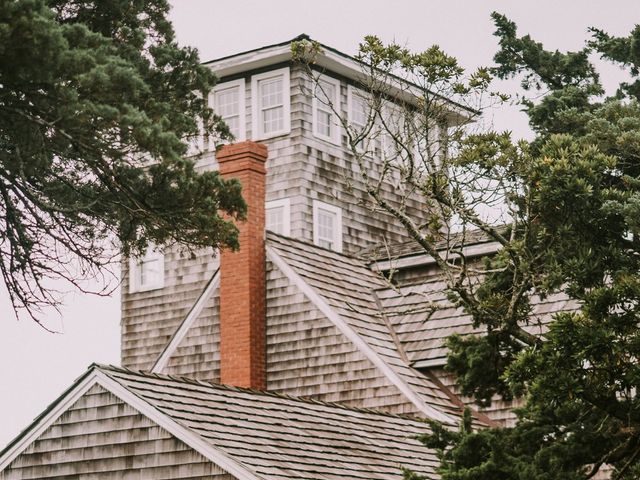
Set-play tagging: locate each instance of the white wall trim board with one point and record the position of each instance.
(352, 335)
(186, 324)
(424, 259)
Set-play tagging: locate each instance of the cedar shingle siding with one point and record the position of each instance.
(101, 437)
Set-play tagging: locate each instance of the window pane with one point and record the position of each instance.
(272, 119)
(271, 92)
(326, 94)
(275, 220)
(326, 229)
(358, 111)
(324, 123)
(226, 102)
(234, 125)
(227, 105)
(150, 273)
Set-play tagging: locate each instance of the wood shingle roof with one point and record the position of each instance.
(260, 435)
(280, 437)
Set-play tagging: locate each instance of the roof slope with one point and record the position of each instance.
(423, 318)
(280, 437)
(349, 287)
(393, 251)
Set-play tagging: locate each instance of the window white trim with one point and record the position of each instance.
(135, 270)
(239, 84)
(285, 204)
(373, 141)
(257, 126)
(331, 109)
(337, 227)
(352, 94)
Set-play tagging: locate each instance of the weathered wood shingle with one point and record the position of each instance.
(423, 318)
(281, 437)
(101, 437)
(347, 286)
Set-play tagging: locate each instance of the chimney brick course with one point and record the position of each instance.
(242, 274)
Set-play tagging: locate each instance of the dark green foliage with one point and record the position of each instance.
(572, 231)
(576, 231)
(91, 93)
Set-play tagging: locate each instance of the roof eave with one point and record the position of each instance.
(98, 375)
(423, 259)
(330, 59)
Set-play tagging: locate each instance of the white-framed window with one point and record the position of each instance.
(228, 100)
(327, 226)
(326, 102)
(146, 272)
(358, 108)
(271, 104)
(359, 112)
(278, 216)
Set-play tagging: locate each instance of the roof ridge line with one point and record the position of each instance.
(267, 393)
(318, 247)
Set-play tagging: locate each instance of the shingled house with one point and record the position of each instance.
(292, 358)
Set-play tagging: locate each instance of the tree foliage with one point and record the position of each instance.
(572, 228)
(576, 225)
(97, 106)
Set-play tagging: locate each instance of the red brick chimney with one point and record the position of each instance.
(242, 274)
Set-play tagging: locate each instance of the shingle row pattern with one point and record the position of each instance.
(280, 437)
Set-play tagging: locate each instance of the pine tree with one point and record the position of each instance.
(97, 105)
(572, 228)
(578, 233)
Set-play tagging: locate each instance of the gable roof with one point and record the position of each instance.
(257, 435)
(424, 317)
(345, 290)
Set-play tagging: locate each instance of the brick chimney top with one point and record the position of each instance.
(242, 156)
(242, 274)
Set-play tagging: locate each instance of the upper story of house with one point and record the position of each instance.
(308, 115)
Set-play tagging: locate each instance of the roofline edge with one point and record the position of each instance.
(48, 416)
(360, 344)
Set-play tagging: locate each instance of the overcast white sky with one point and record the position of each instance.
(37, 366)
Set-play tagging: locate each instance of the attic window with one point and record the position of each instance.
(228, 102)
(271, 104)
(278, 216)
(326, 102)
(327, 226)
(146, 272)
